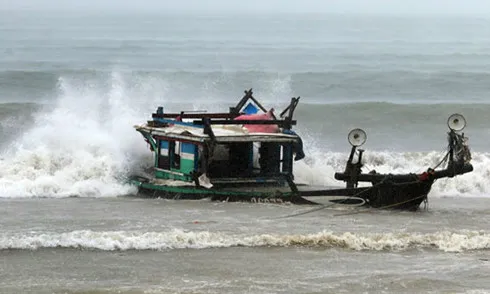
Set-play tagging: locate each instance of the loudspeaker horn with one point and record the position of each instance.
(456, 122)
(357, 137)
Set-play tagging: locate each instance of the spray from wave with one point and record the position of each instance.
(83, 146)
(177, 239)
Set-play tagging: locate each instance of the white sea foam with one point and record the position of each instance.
(177, 239)
(82, 147)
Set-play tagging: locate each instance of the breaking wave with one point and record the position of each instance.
(177, 239)
(82, 146)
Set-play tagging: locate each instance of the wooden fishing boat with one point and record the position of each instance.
(247, 154)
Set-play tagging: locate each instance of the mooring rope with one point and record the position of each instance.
(444, 159)
(323, 206)
(383, 207)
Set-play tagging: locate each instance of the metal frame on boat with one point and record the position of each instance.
(247, 154)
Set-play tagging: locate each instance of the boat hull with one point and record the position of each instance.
(265, 195)
(387, 196)
(404, 196)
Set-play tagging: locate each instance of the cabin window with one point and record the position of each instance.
(221, 152)
(256, 157)
(218, 160)
(175, 154)
(163, 157)
(188, 157)
(231, 160)
(241, 159)
(287, 158)
(269, 158)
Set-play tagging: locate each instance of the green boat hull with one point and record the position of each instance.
(404, 197)
(234, 194)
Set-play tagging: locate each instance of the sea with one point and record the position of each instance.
(73, 85)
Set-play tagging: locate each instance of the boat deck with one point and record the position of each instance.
(222, 133)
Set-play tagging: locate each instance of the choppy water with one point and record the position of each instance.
(72, 86)
(115, 245)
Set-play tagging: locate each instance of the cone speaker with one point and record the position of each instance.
(357, 137)
(456, 122)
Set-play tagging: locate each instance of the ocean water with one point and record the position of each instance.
(73, 85)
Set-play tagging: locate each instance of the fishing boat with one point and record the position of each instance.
(248, 154)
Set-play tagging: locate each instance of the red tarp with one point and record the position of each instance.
(259, 128)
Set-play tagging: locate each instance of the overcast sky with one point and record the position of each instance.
(219, 6)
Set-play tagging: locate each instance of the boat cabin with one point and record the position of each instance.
(248, 145)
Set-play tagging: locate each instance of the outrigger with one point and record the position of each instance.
(247, 154)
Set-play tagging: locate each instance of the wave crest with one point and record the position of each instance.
(177, 239)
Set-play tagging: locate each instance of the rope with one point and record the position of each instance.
(444, 159)
(327, 206)
(305, 212)
(383, 207)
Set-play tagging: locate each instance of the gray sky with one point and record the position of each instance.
(219, 6)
